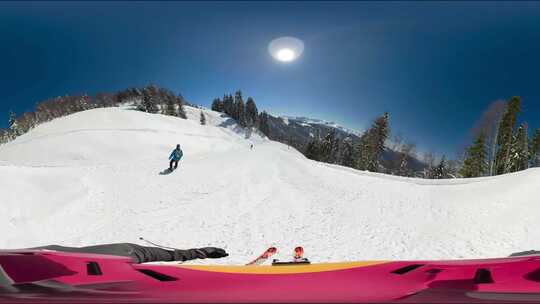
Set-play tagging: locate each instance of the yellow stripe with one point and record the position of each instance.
(302, 268)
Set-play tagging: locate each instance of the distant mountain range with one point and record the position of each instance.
(299, 131)
(307, 122)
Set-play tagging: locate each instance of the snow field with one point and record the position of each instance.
(94, 177)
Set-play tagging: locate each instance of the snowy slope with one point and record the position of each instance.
(94, 177)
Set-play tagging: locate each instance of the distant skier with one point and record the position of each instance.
(175, 156)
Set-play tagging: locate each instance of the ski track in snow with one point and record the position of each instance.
(73, 182)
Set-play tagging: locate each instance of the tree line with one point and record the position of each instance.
(501, 144)
(246, 114)
(368, 152)
(151, 99)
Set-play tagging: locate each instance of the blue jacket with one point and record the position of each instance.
(176, 154)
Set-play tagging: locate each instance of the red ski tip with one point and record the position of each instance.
(298, 252)
(264, 256)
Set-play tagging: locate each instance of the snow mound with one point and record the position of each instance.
(116, 135)
(96, 177)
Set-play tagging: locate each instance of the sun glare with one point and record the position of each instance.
(285, 55)
(286, 49)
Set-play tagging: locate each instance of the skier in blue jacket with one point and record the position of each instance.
(175, 156)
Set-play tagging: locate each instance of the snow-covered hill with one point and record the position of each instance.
(94, 177)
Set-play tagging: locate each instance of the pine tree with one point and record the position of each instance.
(203, 119)
(505, 136)
(180, 101)
(371, 146)
(228, 105)
(239, 111)
(4, 136)
(329, 148)
(475, 163)
(347, 152)
(363, 152)
(12, 124)
(217, 105)
(264, 126)
(534, 149)
(441, 170)
(149, 103)
(170, 108)
(26, 122)
(251, 113)
(381, 132)
(519, 153)
(314, 150)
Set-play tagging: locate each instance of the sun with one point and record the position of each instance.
(285, 55)
(286, 49)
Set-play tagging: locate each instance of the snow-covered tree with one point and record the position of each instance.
(505, 135)
(26, 122)
(4, 136)
(170, 107)
(475, 163)
(329, 148)
(441, 170)
(149, 103)
(347, 156)
(534, 149)
(429, 159)
(202, 119)
(371, 146)
(519, 152)
(13, 125)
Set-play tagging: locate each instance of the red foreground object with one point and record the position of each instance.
(298, 253)
(264, 256)
(50, 276)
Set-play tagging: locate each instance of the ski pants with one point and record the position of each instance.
(175, 162)
(139, 254)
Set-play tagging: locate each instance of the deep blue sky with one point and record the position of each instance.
(434, 66)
